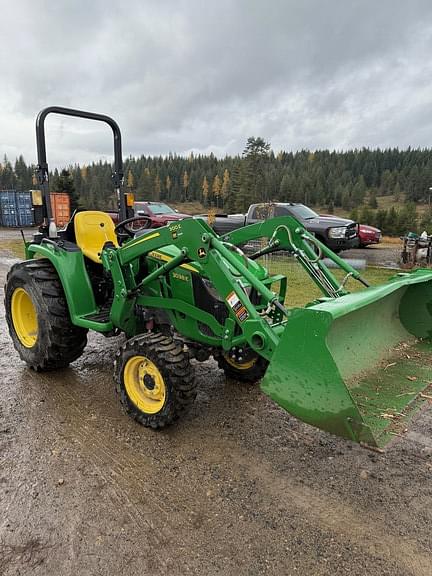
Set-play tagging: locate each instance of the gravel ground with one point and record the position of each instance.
(386, 255)
(236, 487)
(15, 233)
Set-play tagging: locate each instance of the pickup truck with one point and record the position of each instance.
(336, 233)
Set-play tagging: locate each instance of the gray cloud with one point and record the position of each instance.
(203, 76)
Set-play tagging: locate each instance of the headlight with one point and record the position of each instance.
(337, 232)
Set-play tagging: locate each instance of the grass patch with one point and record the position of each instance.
(394, 240)
(192, 208)
(301, 288)
(16, 247)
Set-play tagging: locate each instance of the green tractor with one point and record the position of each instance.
(357, 365)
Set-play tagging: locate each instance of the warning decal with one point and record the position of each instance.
(237, 307)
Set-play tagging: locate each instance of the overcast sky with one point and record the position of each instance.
(204, 76)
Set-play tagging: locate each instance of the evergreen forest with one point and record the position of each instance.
(349, 182)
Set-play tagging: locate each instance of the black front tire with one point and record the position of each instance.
(169, 365)
(58, 342)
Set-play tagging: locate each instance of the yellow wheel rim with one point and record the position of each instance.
(240, 365)
(24, 318)
(144, 384)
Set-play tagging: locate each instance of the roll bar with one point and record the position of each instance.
(42, 172)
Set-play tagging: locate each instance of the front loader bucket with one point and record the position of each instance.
(358, 366)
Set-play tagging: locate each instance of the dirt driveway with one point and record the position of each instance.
(386, 255)
(236, 488)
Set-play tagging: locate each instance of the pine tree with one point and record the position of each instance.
(392, 222)
(205, 191)
(338, 194)
(256, 156)
(366, 216)
(284, 188)
(216, 189)
(426, 222)
(386, 185)
(157, 188)
(354, 215)
(225, 190)
(144, 189)
(23, 177)
(373, 200)
(397, 194)
(381, 219)
(65, 183)
(168, 184)
(130, 182)
(235, 185)
(8, 178)
(346, 201)
(407, 219)
(242, 200)
(359, 191)
(185, 185)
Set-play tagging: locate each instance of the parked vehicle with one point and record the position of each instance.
(336, 233)
(158, 212)
(368, 235)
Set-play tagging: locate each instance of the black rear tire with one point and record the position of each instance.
(57, 342)
(154, 379)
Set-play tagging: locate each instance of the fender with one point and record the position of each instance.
(73, 277)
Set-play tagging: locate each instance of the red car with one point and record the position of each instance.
(160, 213)
(368, 235)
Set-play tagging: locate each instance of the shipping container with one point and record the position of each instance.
(60, 206)
(16, 208)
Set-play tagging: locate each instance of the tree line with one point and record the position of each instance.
(394, 221)
(328, 179)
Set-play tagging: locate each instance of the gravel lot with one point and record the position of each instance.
(238, 487)
(386, 255)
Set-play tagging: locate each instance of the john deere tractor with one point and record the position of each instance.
(354, 364)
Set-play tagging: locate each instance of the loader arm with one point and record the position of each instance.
(286, 233)
(226, 270)
(223, 263)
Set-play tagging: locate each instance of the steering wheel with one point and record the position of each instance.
(123, 229)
